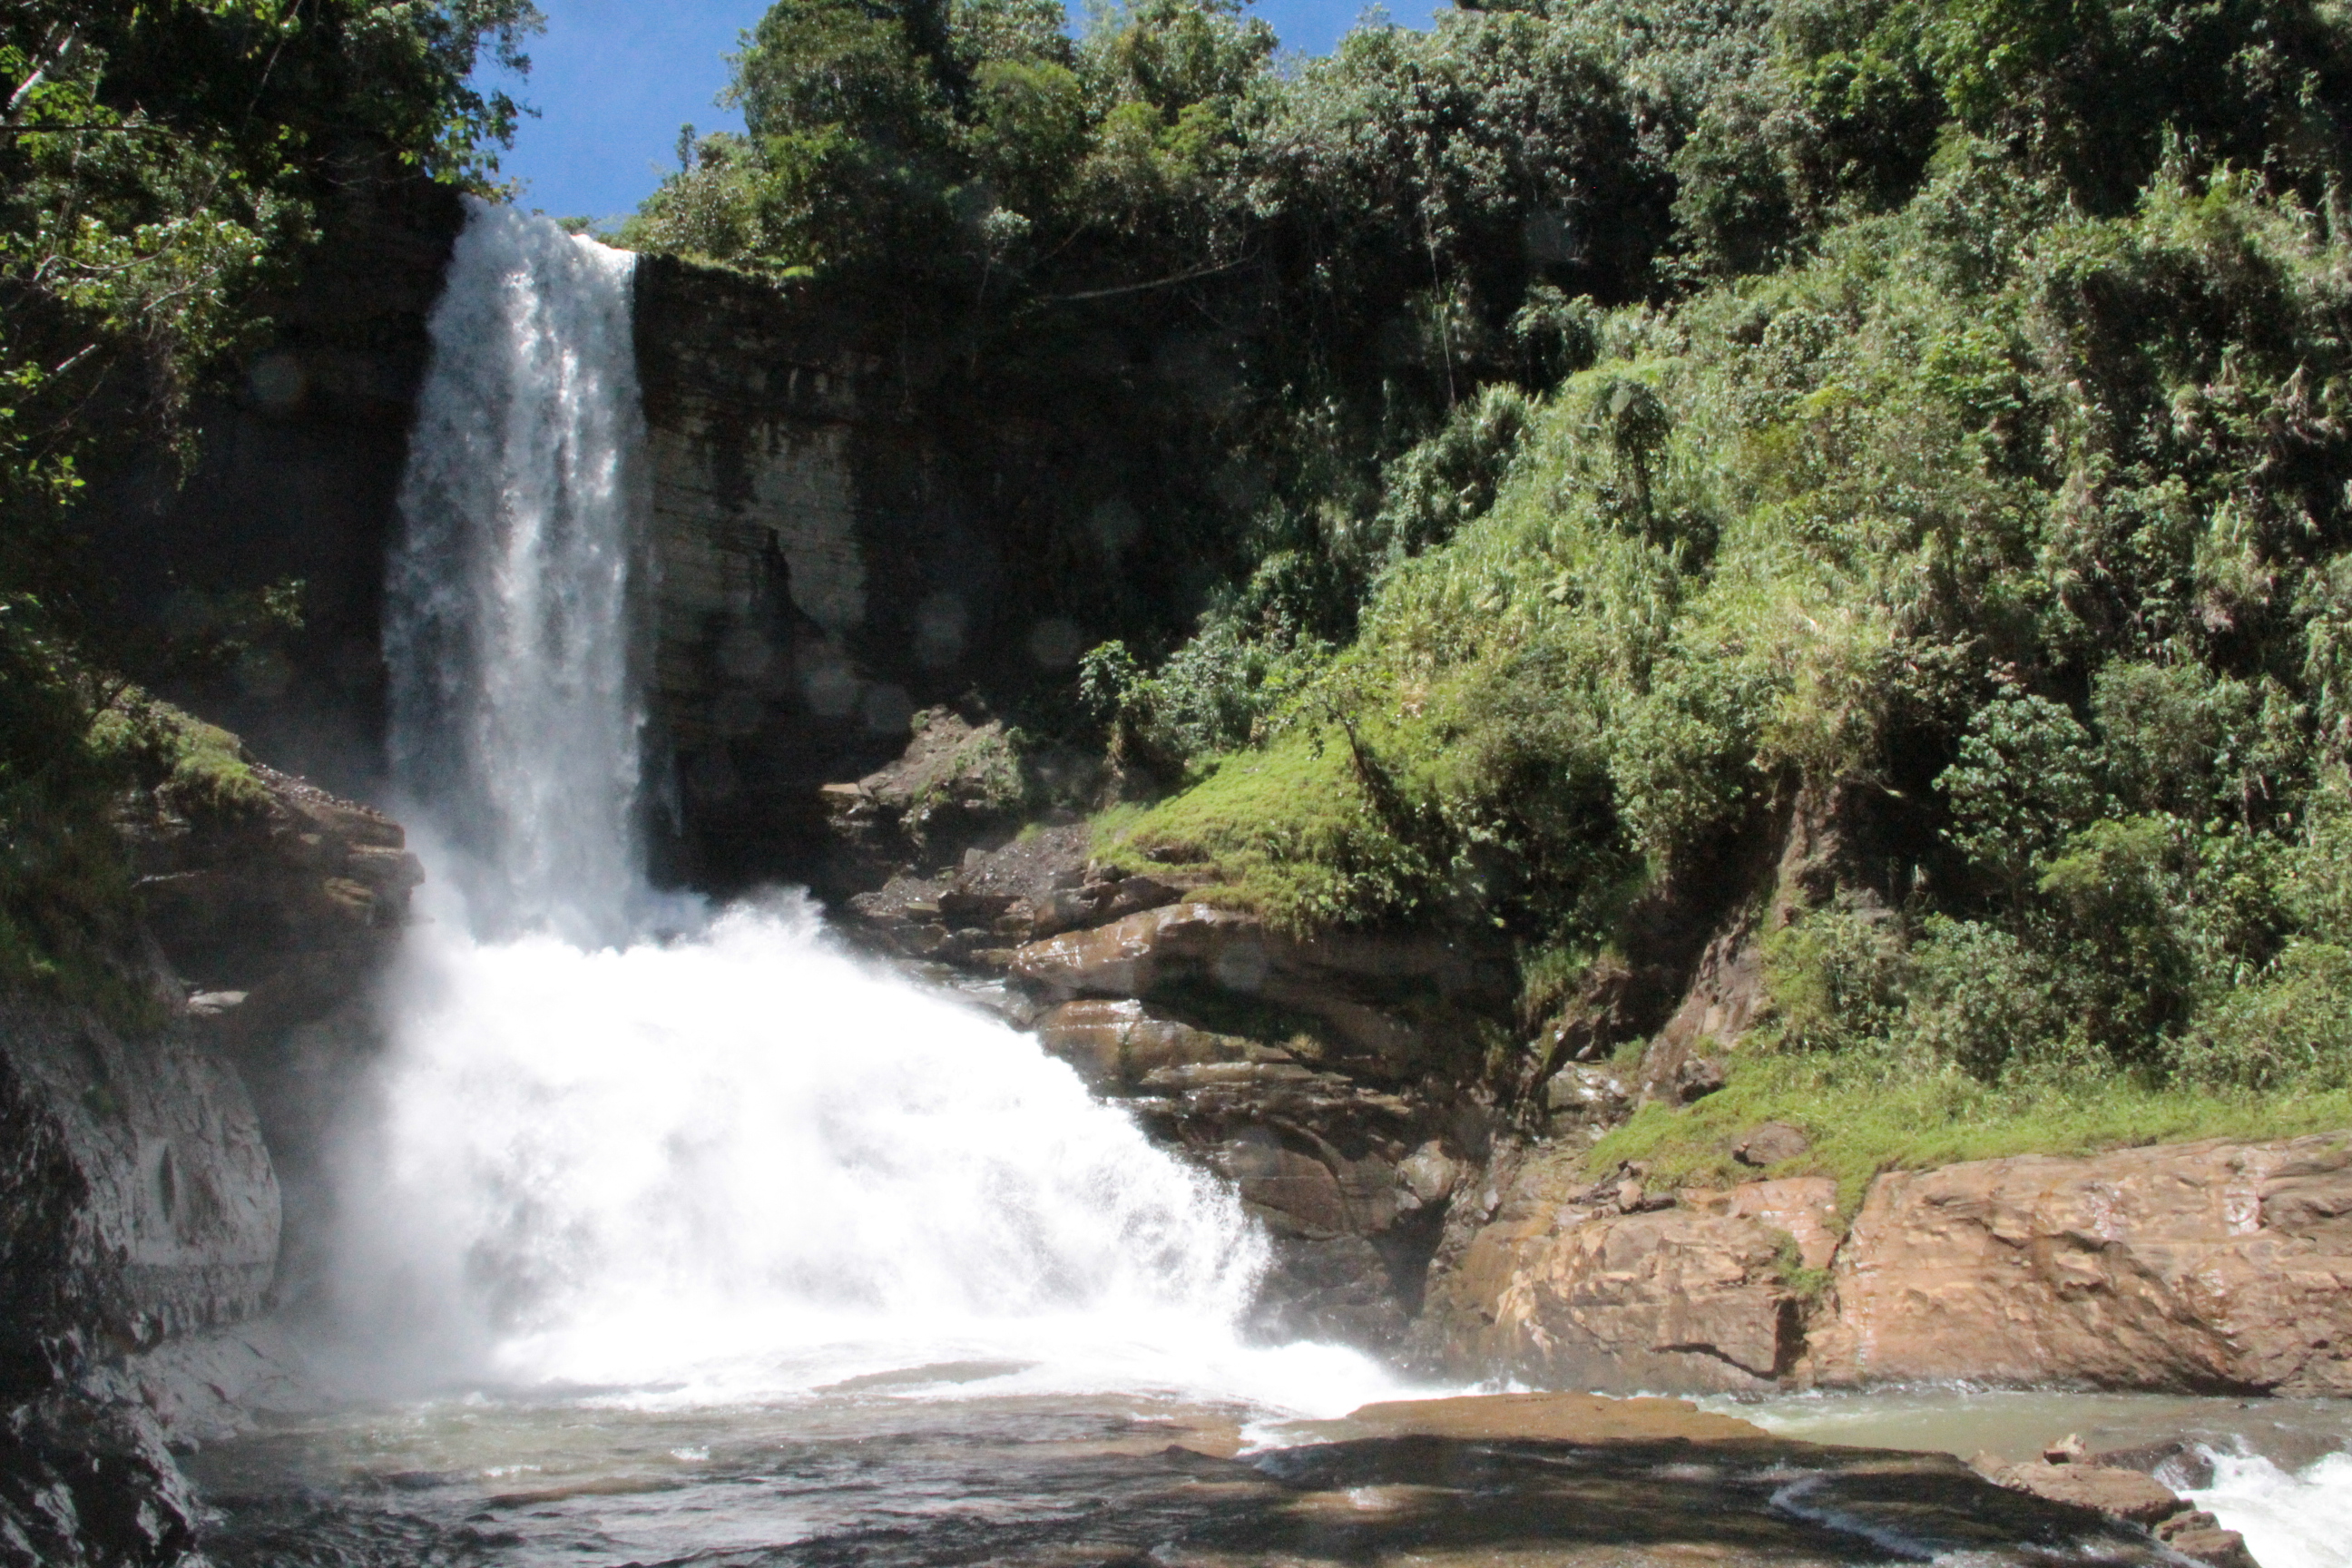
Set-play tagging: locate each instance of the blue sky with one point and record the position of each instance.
(613, 79)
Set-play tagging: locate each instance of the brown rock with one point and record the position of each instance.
(1769, 1144)
(1685, 1297)
(1428, 1174)
(1343, 980)
(1550, 1418)
(2126, 1494)
(1295, 1192)
(1803, 1208)
(2197, 1535)
(1117, 1043)
(2310, 1196)
(1145, 952)
(2194, 1266)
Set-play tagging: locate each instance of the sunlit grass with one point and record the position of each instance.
(1863, 1120)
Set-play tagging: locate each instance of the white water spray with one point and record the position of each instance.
(2291, 1519)
(733, 1165)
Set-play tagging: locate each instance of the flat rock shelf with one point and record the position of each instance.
(939, 1473)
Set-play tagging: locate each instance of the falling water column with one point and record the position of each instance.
(510, 631)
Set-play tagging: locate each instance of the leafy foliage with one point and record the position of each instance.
(161, 166)
(1974, 453)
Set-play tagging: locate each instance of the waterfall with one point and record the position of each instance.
(735, 1159)
(508, 624)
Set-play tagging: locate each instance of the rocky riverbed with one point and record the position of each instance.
(175, 1177)
(902, 1470)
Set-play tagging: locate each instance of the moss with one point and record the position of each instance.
(68, 909)
(1287, 832)
(1864, 1119)
(1807, 1285)
(200, 769)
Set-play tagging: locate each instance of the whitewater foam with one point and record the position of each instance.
(2291, 1519)
(729, 1162)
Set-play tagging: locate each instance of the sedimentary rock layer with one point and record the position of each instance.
(2212, 1266)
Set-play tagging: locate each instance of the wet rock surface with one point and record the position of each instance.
(137, 1197)
(1010, 1482)
(2065, 1475)
(87, 1484)
(142, 1198)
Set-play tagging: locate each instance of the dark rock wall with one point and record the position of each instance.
(138, 1198)
(820, 572)
(823, 567)
(297, 475)
(140, 1195)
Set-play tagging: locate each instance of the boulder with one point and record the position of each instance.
(1770, 1144)
(2198, 1536)
(2200, 1265)
(1690, 1297)
(2127, 1494)
(1582, 1100)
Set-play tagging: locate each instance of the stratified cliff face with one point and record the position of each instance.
(820, 568)
(825, 561)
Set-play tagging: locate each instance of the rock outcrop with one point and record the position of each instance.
(275, 920)
(2214, 1266)
(140, 1200)
(2061, 1474)
(1301, 1070)
(1612, 1287)
(1322, 1075)
(2207, 1267)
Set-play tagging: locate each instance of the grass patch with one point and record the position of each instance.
(1288, 834)
(1863, 1120)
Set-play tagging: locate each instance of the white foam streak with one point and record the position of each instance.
(2291, 1519)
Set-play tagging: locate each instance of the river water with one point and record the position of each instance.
(675, 1233)
(2276, 1471)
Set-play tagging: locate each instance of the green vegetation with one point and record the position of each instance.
(1629, 435)
(66, 903)
(1864, 1119)
(161, 165)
